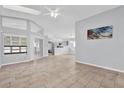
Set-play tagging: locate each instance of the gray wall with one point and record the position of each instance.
(102, 52)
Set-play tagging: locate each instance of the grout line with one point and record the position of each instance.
(88, 81)
(115, 80)
(101, 82)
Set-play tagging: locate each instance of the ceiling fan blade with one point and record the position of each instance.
(48, 8)
(56, 10)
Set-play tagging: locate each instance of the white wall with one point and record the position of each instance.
(0, 41)
(45, 46)
(103, 52)
(61, 51)
(72, 47)
(0, 49)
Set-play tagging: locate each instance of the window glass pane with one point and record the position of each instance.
(14, 51)
(15, 40)
(16, 48)
(15, 44)
(7, 40)
(23, 49)
(7, 50)
(23, 41)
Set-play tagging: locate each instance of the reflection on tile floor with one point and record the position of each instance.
(58, 72)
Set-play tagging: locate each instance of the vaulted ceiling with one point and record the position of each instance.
(64, 25)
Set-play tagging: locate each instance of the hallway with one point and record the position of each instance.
(58, 72)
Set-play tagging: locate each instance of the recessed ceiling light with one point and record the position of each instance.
(22, 9)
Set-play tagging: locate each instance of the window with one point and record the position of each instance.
(15, 49)
(15, 45)
(7, 49)
(15, 40)
(23, 49)
(14, 23)
(7, 40)
(23, 41)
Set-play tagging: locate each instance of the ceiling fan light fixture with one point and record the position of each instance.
(53, 13)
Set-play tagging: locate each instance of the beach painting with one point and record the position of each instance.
(100, 33)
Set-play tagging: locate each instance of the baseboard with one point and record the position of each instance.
(23, 61)
(103, 67)
(16, 62)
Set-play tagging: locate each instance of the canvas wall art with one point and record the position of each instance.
(100, 33)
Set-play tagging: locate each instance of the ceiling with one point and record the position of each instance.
(64, 25)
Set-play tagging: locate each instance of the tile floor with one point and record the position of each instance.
(58, 72)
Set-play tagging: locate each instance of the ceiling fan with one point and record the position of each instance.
(54, 13)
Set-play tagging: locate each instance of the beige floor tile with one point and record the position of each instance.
(58, 72)
(119, 82)
(107, 83)
(93, 84)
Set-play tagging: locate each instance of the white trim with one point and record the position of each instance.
(8, 34)
(16, 62)
(103, 67)
(23, 9)
(33, 59)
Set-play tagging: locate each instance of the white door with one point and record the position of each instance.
(38, 49)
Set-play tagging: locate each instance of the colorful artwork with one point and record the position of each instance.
(100, 33)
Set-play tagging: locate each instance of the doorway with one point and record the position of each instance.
(51, 48)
